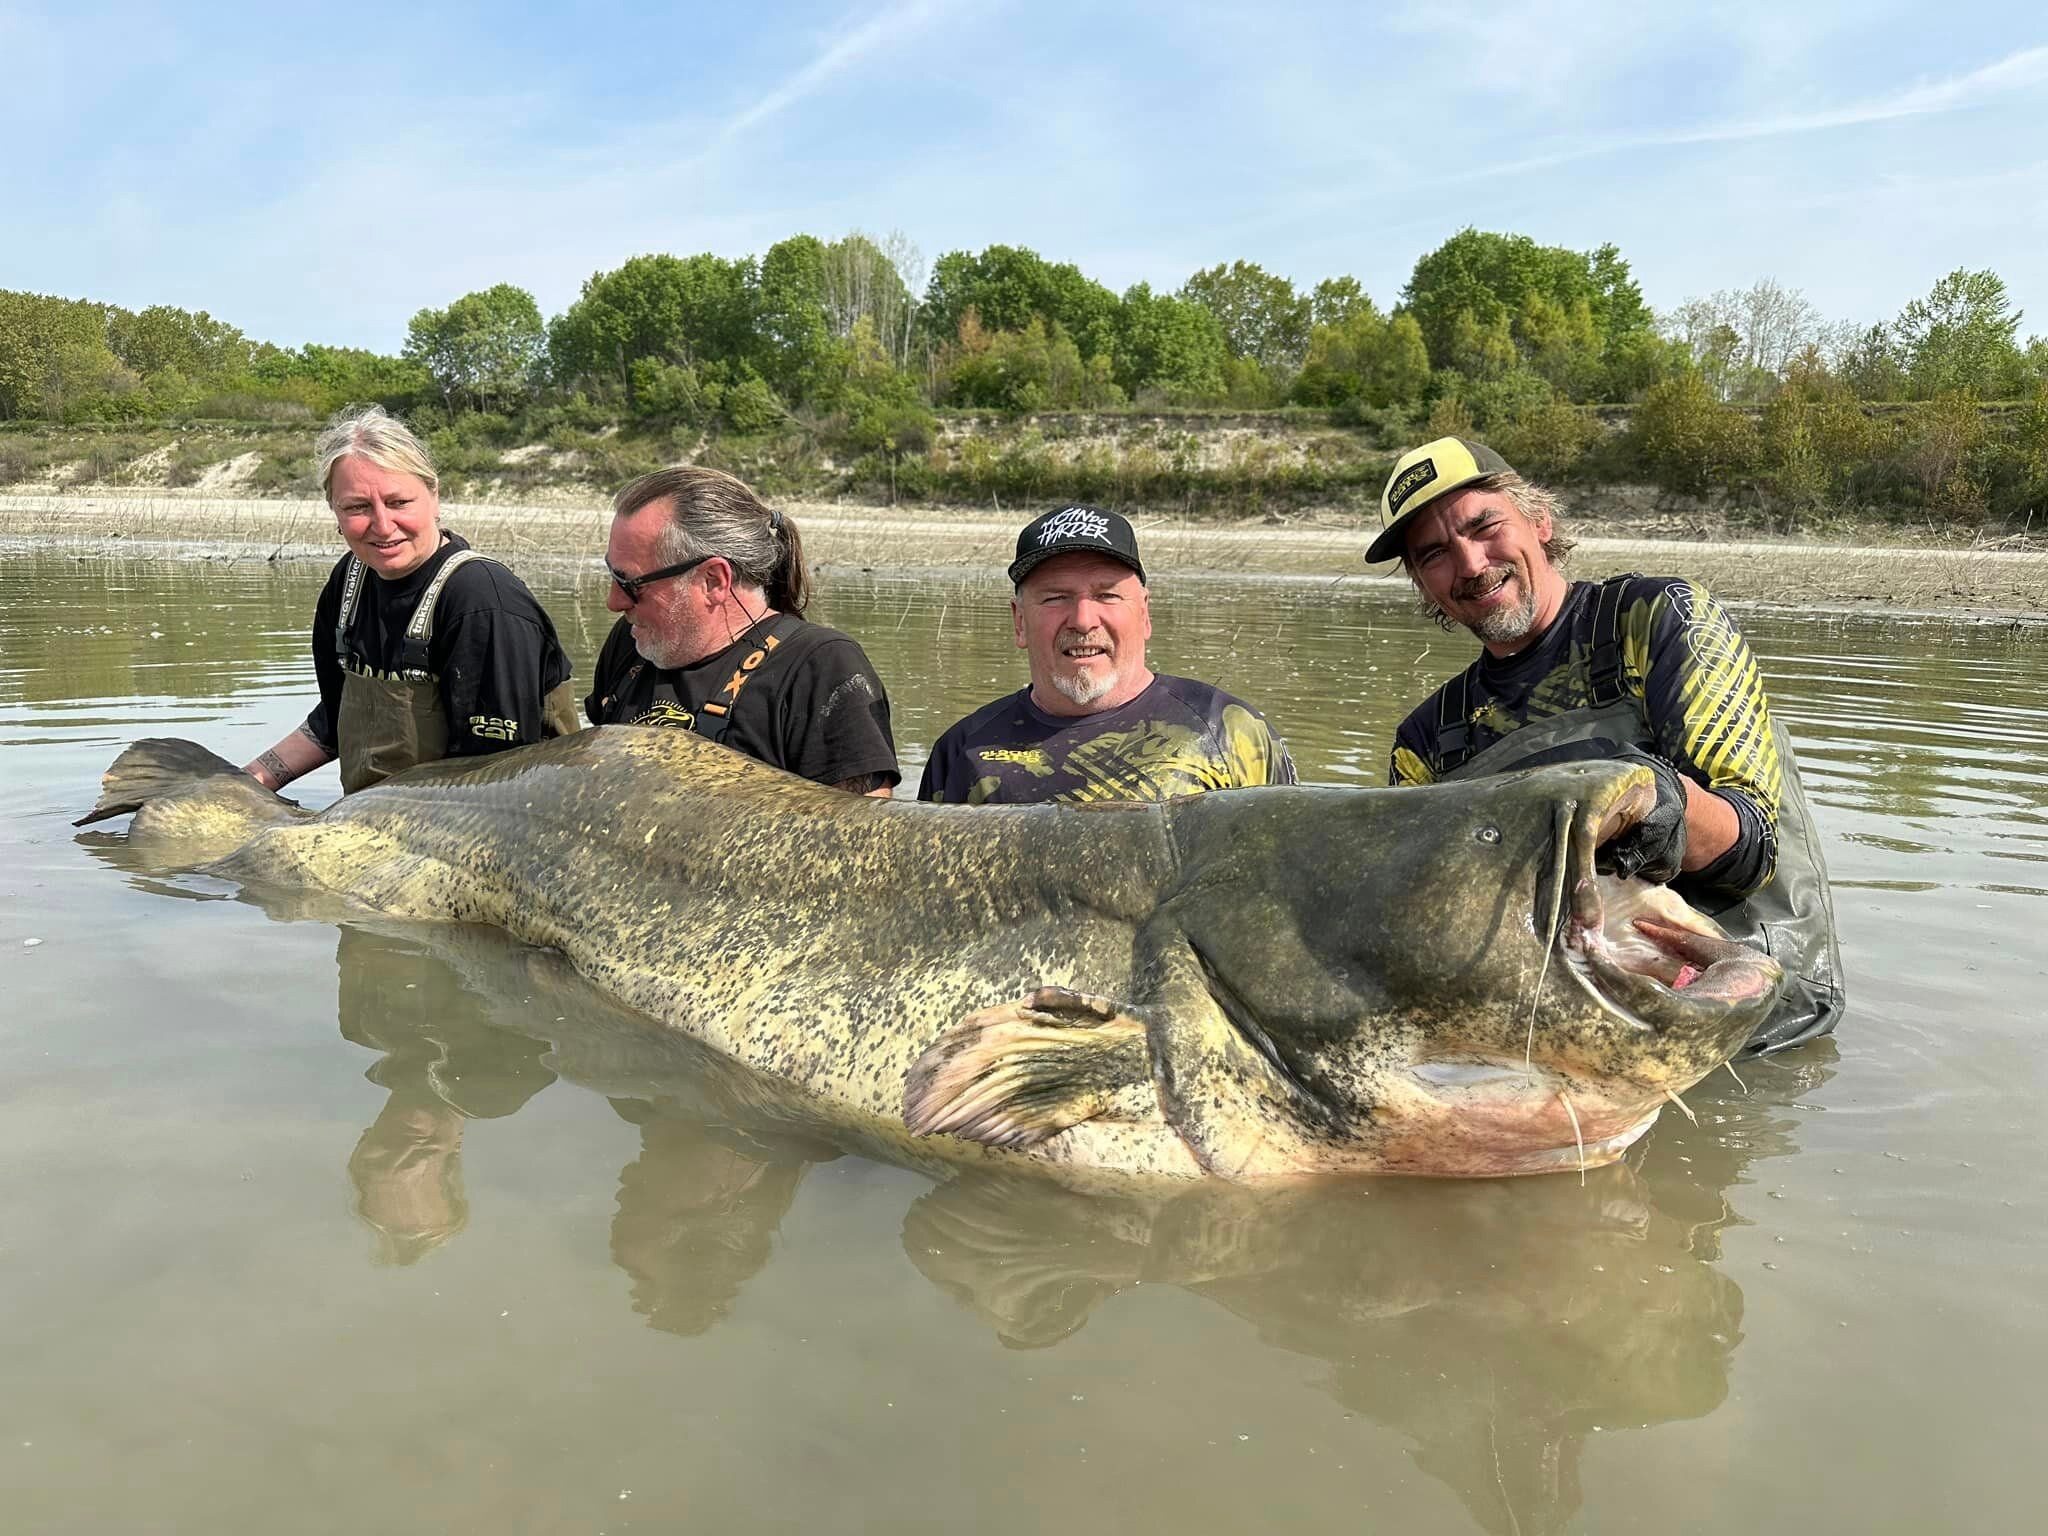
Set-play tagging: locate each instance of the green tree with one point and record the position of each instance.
(194, 344)
(1037, 368)
(1006, 285)
(1365, 356)
(791, 333)
(873, 280)
(1961, 337)
(680, 309)
(1262, 317)
(1871, 366)
(1943, 437)
(1689, 441)
(84, 381)
(1333, 300)
(323, 379)
(37, 332)
(483, 348)
(1547, 438)
(1170, 346)
(1481, 284)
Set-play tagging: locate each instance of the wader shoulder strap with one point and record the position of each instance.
(1453, 725)
(714, 720)
(1454, 736)
(1603, 661)
(419, 629)
(351, 594)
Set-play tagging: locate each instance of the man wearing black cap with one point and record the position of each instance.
(1096, 723)
(1647, 669)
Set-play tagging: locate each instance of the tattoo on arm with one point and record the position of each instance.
(864, 783)
(273, 765)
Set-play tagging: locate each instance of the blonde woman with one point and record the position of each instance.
(423, 648)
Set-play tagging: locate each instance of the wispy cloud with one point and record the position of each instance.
(2020, 71)
(2023, 71)
(889, 27)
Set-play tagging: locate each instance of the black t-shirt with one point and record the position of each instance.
(1178, 737)
(812, 705)
(494, 649)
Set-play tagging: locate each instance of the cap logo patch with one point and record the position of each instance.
(1073, 523)
(1413, 479)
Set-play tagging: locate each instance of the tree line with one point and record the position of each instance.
(853, 344)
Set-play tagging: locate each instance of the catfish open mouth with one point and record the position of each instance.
(1643, 947)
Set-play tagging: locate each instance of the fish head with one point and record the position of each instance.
(1448, 980)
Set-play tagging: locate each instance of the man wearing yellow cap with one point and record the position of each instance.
(1646, 668)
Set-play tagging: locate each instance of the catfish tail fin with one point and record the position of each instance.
(191, 806)
(151, 769)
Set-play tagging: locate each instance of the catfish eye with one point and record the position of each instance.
(1488, 834)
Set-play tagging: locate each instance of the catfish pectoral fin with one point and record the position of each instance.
(1015, 1074)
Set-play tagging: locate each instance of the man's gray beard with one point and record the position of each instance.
(660, 656)
(1506, 625)
(1085, 688)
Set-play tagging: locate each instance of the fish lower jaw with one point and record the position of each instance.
(1484, 1120)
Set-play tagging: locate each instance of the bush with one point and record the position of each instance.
(672, 391)
(751, 406)
(20, 458)
(1942, 441)
(284, 473)
(1549, 440)
(1687, 440)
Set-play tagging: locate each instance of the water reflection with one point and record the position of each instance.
(441, 1065)
(1496, 1325)
(697, 1215)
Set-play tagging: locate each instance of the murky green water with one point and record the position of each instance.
(387, 1230)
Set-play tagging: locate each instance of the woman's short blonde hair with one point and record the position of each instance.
(370, 432)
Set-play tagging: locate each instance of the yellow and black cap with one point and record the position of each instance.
(1075, 530)
(1420, 476)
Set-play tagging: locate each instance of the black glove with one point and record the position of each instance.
(1654, 847)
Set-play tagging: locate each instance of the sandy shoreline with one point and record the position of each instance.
(1972, 581)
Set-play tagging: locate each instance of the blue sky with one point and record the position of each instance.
(320, 178)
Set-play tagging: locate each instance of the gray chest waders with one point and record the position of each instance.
(390, 724)
(1792, 916)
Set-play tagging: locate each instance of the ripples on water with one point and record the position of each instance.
(404, 1229)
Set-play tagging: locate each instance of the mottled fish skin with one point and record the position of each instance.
(1287, 956)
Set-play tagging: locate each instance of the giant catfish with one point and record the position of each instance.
(1249, 984)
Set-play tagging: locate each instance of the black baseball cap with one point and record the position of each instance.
(1075, 529)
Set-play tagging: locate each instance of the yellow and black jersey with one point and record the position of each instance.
(1673, 651)
(1178, 737)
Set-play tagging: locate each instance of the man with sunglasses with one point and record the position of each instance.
(710, 587)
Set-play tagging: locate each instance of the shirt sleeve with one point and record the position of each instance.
(613, 659)
(835, 718)
(1704, 699)
(1408, 765)
(326, 714)
(498, 658)
(1252, 753)
(943, 780)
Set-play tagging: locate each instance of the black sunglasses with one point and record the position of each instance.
(633, 585)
